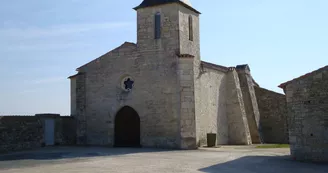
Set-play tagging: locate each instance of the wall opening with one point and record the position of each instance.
(127, 128)
(191, 31)
(157, 26)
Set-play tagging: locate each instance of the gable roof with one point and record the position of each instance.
(151, 3)
(123, 45)
(283, 85)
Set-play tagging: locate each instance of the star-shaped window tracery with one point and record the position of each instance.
(128, 84)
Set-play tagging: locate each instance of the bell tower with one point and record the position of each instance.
(168, 25)
(168, 35)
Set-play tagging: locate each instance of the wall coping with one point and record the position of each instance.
(47, 115)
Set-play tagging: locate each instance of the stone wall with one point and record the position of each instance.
(212, 117)
(65, 131)
(155, 96)
(27, 132)
(273, 116)
(20, 132)
(307, 105)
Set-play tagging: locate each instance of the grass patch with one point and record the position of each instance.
(273, 146)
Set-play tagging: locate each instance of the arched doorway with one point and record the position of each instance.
(127, 128)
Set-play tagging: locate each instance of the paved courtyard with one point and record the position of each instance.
(119, 160)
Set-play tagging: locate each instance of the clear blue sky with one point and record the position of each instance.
(42, 42)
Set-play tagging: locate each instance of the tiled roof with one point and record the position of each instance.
(283, 85)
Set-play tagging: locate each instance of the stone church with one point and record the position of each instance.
(159, 93)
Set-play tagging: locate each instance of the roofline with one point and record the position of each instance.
(283, 85)
(74, 76)
(183, 4)
(215, 66)
(125, 43)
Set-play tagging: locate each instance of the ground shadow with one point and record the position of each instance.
(62, 155)
(267, 164)
(55, 153)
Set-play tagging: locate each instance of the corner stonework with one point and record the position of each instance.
(81, 109)
(187, 96)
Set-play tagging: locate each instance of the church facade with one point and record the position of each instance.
(159, 93)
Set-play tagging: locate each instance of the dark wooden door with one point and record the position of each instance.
(127, 128)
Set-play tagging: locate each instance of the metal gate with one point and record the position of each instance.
(49, 132)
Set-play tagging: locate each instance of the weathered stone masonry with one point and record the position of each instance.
(273, 116)
(175, 99)
(27, 132)
(80, 99)
(178, 97)
(211, 105)
(165, 109)
(220, 105)
(187, 114)
(307, 103)
(237, 119)
(250, 102)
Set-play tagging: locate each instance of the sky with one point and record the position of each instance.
(43, 42)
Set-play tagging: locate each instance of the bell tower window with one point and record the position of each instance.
(191, 32)
(157, 26)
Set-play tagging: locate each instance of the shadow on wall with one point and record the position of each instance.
(222, 119)
(265, 164)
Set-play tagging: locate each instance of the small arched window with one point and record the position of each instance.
(191, 29)
(157, 25)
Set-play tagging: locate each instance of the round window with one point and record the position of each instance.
(127, 83)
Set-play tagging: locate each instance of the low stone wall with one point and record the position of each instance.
(273, 116)
(27, 132)
(65, 131)
(20, 132)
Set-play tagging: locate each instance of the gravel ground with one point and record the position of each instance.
(122, 160)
